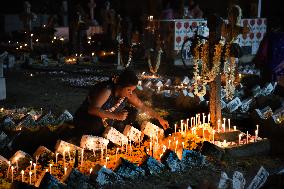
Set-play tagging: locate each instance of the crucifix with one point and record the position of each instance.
(230, 32)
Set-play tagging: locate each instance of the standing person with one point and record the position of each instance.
(194, 10)
(105, 104)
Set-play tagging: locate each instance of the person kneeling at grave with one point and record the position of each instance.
(106, 102)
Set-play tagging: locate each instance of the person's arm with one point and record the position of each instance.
(97, 101)
(135, 101)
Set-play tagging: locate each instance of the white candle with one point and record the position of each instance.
(139, 83)
(91, 170)
(223, 127)
(229, 121)
(208, 118)
(224, 119)
(235, 128)
(35, 170)
(213, 136)
(82, 157)
(169, 144)
(12, 169)
(203, 115)
(46, 170)
(102, 153)
(240, 137)
(31, 162)
(181, 125)
(256, 134)
(56, 157)
(65, 170)
(187, 120)
(191, 121)
(106, 161)
(182, 145)
(218, 125)
(30, 173)
(247, 137)
(176, 146)
(150, 147)
(159, 88)
(175, 128)
(50, 165)
(9, 164)
(22, 173)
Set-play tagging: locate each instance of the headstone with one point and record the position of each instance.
(44, 154)
(259, 180)
(152, 130)
(78, 180)
(172, 162)
(27, 121)
(229, 136)
(184, 92)
(46, 119)
(185, 80)
(151, 166)
(148, 84)
(132, 133)
(62, 146)
(115, 136)
(159, 84)
(65, 116)
(238, 180)
(209, 149)
(267, 90)
(223, 104)
(93, 142)
(224, 182)
(21, 157)
(264, 113)
(8, 123)
(246, 104)
(128, 170)
(168, 83)
(103, 176)
(256, 91)
(234, 104)
(49, 181)
(278, 115)
(11, 61)
(192, 158)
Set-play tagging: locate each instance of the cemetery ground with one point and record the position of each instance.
(51, 89)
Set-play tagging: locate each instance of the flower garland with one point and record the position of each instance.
(229, 71)
(158, 61)
(201, 56)
(129, 55)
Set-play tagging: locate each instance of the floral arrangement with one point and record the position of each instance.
(158, 61)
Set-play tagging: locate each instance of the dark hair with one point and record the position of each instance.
(127, 78)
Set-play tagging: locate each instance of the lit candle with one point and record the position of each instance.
(35, 170)
(91, 170)
(203, 115)
(139, 83)
(229, 121)
(150, 147)
(191, 121)
(50, 165)
(30, 173)
(56, 155)
(208, 118)
(182, 145)
(256, 134)
(46, 170)
(82, 157)
(224, 119)
(9, 164)
(17, 165)
(169, 144)
(12, 169)
(116, 154)
(218, 125)
(175, 128)
(65, 170)
(22, 173)
(223, 127)
(102, 153)
(247, 137)
(159, 88)
(31, 162)
(176, 146)
(235, 128)
(187, 120)
(240, 137)
(106, 162)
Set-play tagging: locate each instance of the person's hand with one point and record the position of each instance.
(164, 123)
(121, 116)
